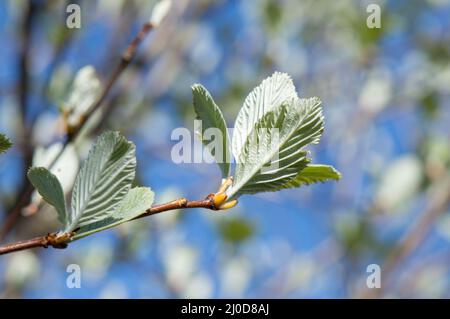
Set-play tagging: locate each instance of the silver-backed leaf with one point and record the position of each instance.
(274, 152)
(136, 202)
(209, 113)
(50, 189)
(103, 181)
(5, 143)
(271, 93)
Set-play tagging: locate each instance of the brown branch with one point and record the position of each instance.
(56, 241)
(27, 190)
(59, 49)
(22, 91)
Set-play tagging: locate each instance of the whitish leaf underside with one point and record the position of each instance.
(274, 152)
(314, 174)
(5, 143)
(103, 181)
(136, 202)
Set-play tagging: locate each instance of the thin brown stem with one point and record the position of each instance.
(56, 241)
(177, 204)
(27, 190)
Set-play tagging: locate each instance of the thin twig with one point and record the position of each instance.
(55, 241)
(60, 48)
(127, 57)
(23, 245)
(26, 34)
(125, 60)
(23, 88)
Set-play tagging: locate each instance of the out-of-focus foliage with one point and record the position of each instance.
(385, 98)
(5, 143)
(103, 181)
(209, 113)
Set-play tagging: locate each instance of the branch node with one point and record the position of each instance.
(182, 202)
(57, 240)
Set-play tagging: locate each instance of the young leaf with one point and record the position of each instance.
(137, 201)
(314, 174)
(211, 116)
(5, 143)
(103, 181)
(50, 189)
(271, 93)
(277, 140)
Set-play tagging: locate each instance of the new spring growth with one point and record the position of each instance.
(220, 197)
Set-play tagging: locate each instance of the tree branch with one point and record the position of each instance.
(55, 241)
(27, 190)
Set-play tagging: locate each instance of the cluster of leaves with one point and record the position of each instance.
(273, 126)
(270, 133)
(102, 196)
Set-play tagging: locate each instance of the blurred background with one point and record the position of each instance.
(385, 94)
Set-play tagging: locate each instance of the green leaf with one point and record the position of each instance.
(103, 181)
(236, 230)
(136, 202)
(160, 11)
(274, 152)
(50, 189)
(314, 174)
(270, 94)
(84, 92)
(211, 116)
(5, 143)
